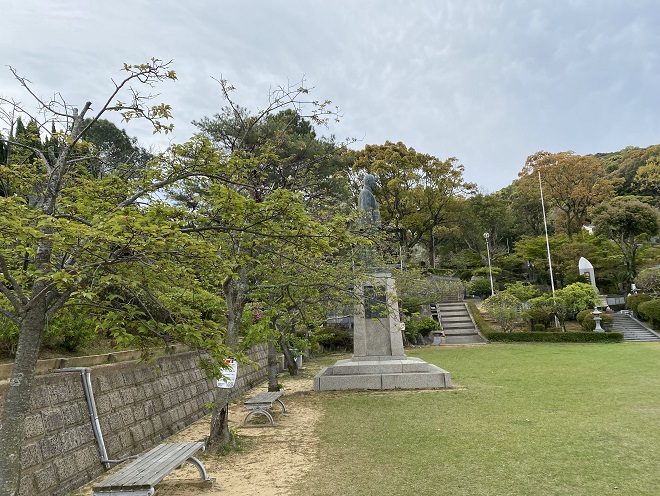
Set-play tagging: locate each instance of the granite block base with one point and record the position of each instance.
(382, 373)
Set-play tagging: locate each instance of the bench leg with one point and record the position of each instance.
(200, 467)
(262, 412)
(282, 405)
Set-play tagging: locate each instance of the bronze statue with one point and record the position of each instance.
(367, 204)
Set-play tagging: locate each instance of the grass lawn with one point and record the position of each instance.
(524, 419)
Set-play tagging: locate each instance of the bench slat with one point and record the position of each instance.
(150, 469)
(266, 397)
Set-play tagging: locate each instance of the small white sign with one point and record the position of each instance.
(228, 375)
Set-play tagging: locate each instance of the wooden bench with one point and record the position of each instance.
(260, 404)
(140, 477)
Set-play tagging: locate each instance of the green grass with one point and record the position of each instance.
(538, 419)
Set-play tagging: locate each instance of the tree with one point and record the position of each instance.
(112, 149)
(263, 203)
(505, 309)
(624, 220)
(415, 191)
(648, 281)
(571, 183)
(71, 240)
(647, 178)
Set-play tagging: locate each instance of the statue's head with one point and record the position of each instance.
(370, 182)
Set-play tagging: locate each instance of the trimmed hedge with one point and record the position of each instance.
(483, 326)
(650, 310)
(586, 319)
(634, 300)
(555, 337)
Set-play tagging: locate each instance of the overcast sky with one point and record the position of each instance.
(488, 82)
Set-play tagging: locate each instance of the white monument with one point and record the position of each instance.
(587, 271)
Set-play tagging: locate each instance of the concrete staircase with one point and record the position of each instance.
(456, 323)
(632, 329)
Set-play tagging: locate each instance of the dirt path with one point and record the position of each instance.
(272, 459)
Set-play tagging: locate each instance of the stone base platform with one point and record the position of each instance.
(373, 372)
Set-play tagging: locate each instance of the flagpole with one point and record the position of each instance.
(547, 244)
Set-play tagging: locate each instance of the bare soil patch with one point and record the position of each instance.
(272, 460)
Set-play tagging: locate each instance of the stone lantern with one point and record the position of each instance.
(596, 313)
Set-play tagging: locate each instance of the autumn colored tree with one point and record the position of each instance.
(415, 190)
(647, 179)
(571, 184)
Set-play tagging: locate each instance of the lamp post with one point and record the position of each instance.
(490, 270)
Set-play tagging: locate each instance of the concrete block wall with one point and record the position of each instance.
(139, 405)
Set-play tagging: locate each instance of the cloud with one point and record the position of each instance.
(486, 81)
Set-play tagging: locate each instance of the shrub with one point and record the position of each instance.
(479, 286)
(540, 311)
(634, 300)
(505, 309)
(422, 326)
(650, 310)
(8, 336)
(71, 330)
(555, 337)
(483, 326)
(586, 319)
(648, 280)
(522, 291)
(577, 297)
(333, 339)
(539, 328)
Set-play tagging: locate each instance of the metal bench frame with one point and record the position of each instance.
(140, 477)
(260, 404)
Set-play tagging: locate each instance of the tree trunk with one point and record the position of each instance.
(432, 252)
(289, 359)
(19, 393)
(235, 292)
(272, 365)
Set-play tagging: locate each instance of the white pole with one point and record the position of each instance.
(490, 270)
(547, 244)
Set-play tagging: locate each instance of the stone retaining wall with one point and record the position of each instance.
(139, 405)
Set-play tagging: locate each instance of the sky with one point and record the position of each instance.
(485, 81)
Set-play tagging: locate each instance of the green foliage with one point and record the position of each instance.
(634, 300)
(541, 311)
(484, 272)
(577, 297)
(483, 326)
(555, 337)
(333, 339)
(416, 288)
(72, 329)
(623, 220)
(505, 309)
(522, 291)
(648, 281)
(8, 336)
(420, 326)
(586, 319)
(650, 310)
(479, 287)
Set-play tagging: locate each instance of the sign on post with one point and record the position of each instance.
(228, 375)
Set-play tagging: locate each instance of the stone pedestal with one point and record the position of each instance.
(379, 361)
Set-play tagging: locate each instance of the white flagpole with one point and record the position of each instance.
(547, 244)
